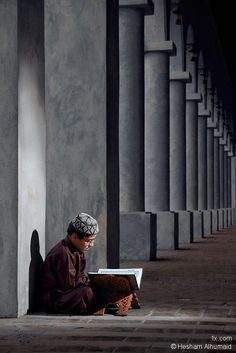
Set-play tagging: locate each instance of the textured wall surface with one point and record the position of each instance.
(32, 136)
(8, 157)
(75, 66)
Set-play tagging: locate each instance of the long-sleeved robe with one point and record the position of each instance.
(66, 288)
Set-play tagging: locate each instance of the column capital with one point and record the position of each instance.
(224, 138)
(204, 113)
(223, 141)
(197, 97)
(231, 149)
(146, 5)
(166, 46)
(184, 76)
(217, 133)
(226, 148)
(211, 124)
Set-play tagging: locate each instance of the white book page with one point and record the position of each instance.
(124, 271)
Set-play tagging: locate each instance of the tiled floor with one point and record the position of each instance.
(188, 305)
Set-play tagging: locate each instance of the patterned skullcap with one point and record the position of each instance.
(85, 224)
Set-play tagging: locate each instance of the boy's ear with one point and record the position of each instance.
(73, 236)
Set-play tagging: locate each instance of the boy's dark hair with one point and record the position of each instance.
(71, 229)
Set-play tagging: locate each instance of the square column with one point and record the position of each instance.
(178, 80)
(157, 125)
(131, 128)
(131, 103)
(222, 175)
(157, 137)
(8, 157)
(78, 108)
(202, 159)
(192, 100)
(157, 73)
(178, 140)
(233, 181)
(216, 174)
(32, 153)
(210, 168)
(217, 135)
(23, 176)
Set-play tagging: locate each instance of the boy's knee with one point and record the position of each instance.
(86, 293)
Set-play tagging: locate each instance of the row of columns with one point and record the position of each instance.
(176, 132)
(169, 109)
(176, 128)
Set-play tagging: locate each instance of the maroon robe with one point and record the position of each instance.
(66, 288)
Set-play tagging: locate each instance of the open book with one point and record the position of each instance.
(134, 275)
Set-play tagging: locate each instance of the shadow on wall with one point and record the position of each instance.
(35, 272)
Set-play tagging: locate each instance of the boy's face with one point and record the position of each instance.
(83, 244)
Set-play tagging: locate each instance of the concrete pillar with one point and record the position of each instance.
(157, 52)
(32, 148)
(192, 100)
(203, 115)
(131, 108)
(228, 150)
(219, 173)
(226, 173)
(216, 173)
(221, 167)
(131, 136)
(233, 184)
(217, 135)
(157, 126)
(192, 150)
(233, 181)
(223, 143)
(202, 163)
(77, 107)
(179, 76)
(210, 168)
(178, 79)
(23, 160)
(178, 140)
(229, 205)
(210, 142)
(9, 158)
(112, 155)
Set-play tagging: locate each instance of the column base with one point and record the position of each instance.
(196, 225)
(233, 210)
(206, 222)
(231, 216)
(183, 227)
(166, 234)
(214, 221)
(225, 218)
(137, 236)
(220, 218)
(229, 222)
